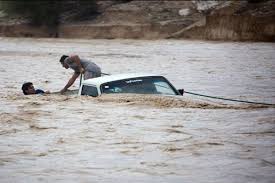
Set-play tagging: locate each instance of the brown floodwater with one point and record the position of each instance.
(138, 138)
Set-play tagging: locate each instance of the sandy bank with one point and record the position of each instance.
(209, 28)
(225, 21)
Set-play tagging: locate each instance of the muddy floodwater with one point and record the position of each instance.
(138, 138)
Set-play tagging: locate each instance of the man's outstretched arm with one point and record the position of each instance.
(70, 83)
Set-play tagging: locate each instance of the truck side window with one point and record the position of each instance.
(89, 90)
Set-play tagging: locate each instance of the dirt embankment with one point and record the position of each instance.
(216, 20)
(239, 21)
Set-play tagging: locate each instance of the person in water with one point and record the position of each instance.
(28, 89)
(80, 66)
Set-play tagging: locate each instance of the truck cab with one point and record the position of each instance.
(137, 83)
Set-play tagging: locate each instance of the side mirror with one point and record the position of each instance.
(181, 91)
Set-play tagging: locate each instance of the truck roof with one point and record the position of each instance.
(108, 78)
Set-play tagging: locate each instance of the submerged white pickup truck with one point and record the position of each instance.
(138, 83)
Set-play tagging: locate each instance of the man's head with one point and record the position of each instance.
(28, 88)
(62, 61)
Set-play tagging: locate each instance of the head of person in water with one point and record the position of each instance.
(28, 88)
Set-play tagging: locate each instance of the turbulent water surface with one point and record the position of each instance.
(138, 138)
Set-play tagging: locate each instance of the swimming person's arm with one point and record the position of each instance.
(70, 82)
(39, 91)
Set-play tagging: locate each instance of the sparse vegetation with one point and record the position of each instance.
(49, 12)
(256, 1)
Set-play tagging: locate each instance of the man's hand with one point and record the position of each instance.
(47, 92)
(82, 70)
(70, 82)
(62, 92)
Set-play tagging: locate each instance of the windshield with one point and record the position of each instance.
(140, 85)
(89, 90)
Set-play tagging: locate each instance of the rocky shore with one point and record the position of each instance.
(206, 20)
